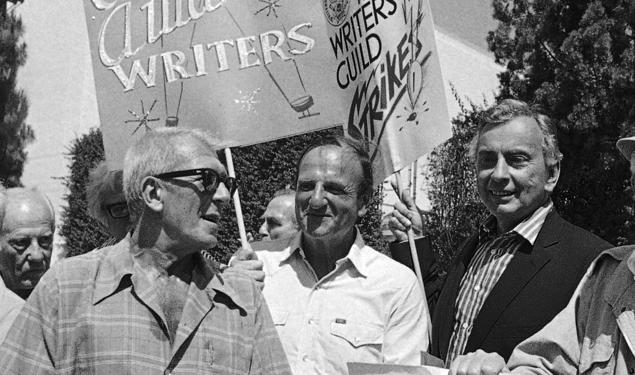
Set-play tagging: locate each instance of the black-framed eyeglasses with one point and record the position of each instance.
(210, 178)
(118, 210)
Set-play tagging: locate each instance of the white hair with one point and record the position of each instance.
(157, 152)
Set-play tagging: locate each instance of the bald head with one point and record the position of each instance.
(279, 217)
(26, 239)
(26, 207)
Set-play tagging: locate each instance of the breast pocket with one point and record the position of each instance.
(359, 333)
(222, 357)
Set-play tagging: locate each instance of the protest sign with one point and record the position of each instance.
(256, 70)
(246, 71)
(388, 70)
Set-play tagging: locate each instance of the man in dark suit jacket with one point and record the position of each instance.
(520, 269)
(535, 286)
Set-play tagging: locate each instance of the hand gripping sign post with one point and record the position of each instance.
(250, 71)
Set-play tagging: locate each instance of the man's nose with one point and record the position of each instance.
(263, 229)
(501, 170)
(317, 196)
(221, 194)
(35, 253)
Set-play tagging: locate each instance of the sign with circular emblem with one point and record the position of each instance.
(335, 11)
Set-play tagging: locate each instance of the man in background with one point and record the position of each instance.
(10, 303)
(26, 239)
(279, 217)
(106, 201)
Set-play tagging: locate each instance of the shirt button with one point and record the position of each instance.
(311, 321)
(464, 325)
(477, 288)
(493, 252)
(305, 358)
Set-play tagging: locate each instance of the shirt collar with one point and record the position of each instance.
(528, 228)
(356, 255)
(117, 267)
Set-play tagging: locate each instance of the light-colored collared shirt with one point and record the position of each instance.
(490, 260)
(368, 309)
(98, 313)
(10, 305)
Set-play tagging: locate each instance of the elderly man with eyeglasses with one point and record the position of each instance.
(151, 304)
(106, 202)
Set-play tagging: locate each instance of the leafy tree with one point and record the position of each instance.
(81, 231)
(15, 134)
(261, 169)
(576, 59)
(456, 209)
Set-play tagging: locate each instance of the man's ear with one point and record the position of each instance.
(152, 192)
(362, 204)
(553, 173)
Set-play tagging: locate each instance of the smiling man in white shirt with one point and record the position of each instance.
(334, 299)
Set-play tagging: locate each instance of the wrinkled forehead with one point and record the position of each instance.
(518, 133)
(335, 160)
(27, 211)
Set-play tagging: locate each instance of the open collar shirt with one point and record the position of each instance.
(99, 314)
(368, 309)
(492, 256)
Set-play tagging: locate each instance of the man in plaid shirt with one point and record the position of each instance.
(151, 304)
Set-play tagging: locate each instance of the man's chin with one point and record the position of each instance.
(26, 285)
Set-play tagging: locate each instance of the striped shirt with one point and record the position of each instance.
(99, 314)
(493, 254)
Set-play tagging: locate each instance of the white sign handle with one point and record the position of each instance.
(411, 239)
(236, 198)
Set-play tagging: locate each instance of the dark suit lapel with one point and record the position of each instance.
(442, 325)
(522, 268)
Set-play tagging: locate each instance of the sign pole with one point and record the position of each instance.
(411, 239)
(236, 198)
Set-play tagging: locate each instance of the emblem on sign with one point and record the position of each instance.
(335, 11)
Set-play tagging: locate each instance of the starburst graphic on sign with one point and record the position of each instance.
(247, 100)
(142, 119)
(411, 114)
(270, 6)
